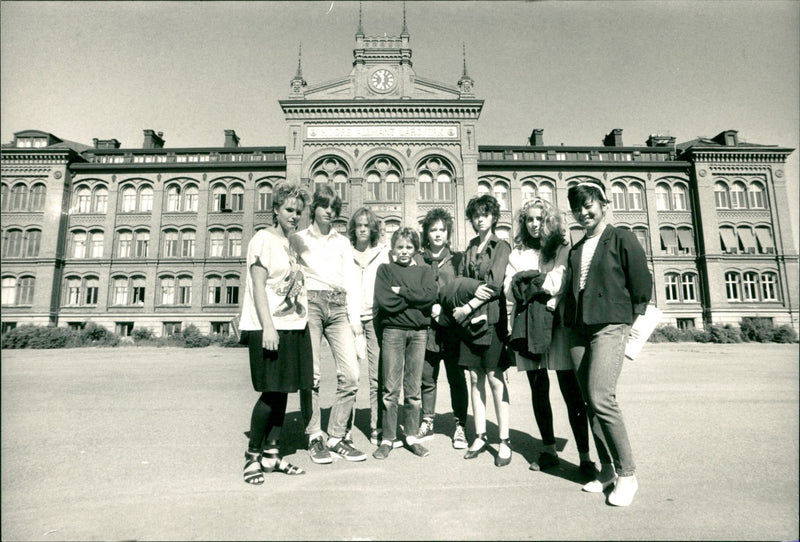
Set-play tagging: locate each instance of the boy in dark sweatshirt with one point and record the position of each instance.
(404, 295)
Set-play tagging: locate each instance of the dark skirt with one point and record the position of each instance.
(481, 356)
(288, 369)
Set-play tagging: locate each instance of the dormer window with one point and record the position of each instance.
(28, 142)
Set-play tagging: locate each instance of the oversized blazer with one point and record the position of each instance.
(618, 285)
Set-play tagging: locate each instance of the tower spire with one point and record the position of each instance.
(404, 32)
(466, 82)
(298, 83)
(299, 74)
(464, 55)
(360, 29)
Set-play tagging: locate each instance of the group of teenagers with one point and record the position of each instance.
(409, 307)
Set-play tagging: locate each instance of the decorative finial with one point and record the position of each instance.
(404, 32)
(464, 54)
(360, 31)
(299, 74)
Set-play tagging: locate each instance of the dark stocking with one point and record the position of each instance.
(268, 412)
(576, 409)
(540, 397)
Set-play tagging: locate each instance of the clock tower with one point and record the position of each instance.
(382, 66)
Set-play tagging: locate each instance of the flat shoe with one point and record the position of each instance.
(418, 449)
(472, 454)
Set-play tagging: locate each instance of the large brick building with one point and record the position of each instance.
(155, 236)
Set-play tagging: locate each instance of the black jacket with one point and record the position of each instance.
(532, 328)
(618, 284)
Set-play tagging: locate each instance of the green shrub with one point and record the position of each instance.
(20, 336)
(142, 334)
(724, 334)
(757, 329)
(784, 334)
(192, 338)
(700, 336)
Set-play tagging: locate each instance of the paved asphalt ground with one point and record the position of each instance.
(147, 444)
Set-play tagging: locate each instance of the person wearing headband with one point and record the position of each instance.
(600, 307)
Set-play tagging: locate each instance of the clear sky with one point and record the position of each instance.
(576, 69)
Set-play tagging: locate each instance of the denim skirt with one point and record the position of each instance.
(288, 369)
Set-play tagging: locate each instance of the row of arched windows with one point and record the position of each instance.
(17, 290)
(127, 290)
(135, 243)
(746, 239)
(21, 197)
(739, 194)
(751, 286)
(21, 243)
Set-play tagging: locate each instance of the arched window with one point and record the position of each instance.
(19, 197)
(13, 241)
(750, 286)
(732, 286)
(124, 244)
(686, 241)
(142, 242)
(438, 169)
(392, 187)
(389, 227)
(129, 199)
(167, 289)
(635, 198)
(138, 289)
(618, 196)
(33, 244)
(219, 197)
(484, 188)
(373, 187)
(546, 192)
(79, 244)
(769, 286)
(237, 197)
(100, 205)
(382, 179)
(728, 242)
(184, 290)
(747, 240)
(38, 194)
(234, 248)
(528, 191)
(500, 193)
(9, 291)
(191, 196)
(4, 197)
(146, 200)
(722, 196)
(643, 237)
(689, 287)
(83, 200)
(214, 290)
(188, 238)
(425, 183)
(679, 200)
(96, 243)
(765, 243)
(738, 196)
(757, 198)
(671, 284)
(72, 293)
(120, 291)
(170, 244)
(173, 198)
(331, 170)
(216, 243)
(662, 197)
(264, 202)
(91, 290)
(25, 290)
(669, 240)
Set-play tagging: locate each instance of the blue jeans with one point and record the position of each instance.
(373, 368)
(402, 356)
(331, 321)
(597, 353)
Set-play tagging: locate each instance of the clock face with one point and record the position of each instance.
(382, 80)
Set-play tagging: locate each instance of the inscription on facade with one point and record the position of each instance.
(382, 131)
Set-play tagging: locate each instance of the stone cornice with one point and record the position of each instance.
(374, 110)
(734, 155)
(183, 166)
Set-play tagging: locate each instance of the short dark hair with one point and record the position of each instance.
(372, 221)
(324, 196)
(406, 233)
(585, 192)
(483, 205)
(434, 216)
(283, 192)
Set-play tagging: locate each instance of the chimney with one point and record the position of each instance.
(613, 138)
(105, 143)
(729, 138)
(658, 140)
(231, 139)
(537, 138)
(153, 140)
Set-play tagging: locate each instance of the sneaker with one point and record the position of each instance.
(343, 449)
(624, 490)
(383, 451)
(418, 449)
(598, 486)
(459, 438)
(425, 430)
(319, 452)
(546, 461)
(397, 443)
(348, 436)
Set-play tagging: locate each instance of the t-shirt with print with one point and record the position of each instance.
(286, 290)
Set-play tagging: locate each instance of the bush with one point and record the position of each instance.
(724, 334)
(671, 334)
(229, 341)
(20, 336)
(757, 329)
(701, 336)
(30, 336)
(784, 334)
(192, 338)
(96, 335)
(142, 334)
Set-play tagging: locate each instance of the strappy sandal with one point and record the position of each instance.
(275, 463)
(472, 454)
(253, 473)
